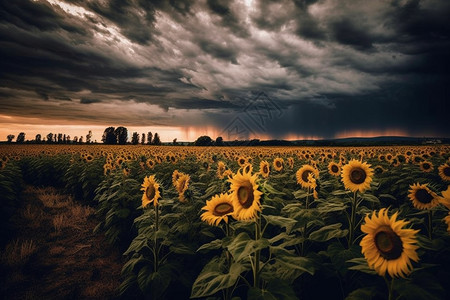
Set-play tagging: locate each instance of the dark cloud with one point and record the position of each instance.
(332, 66)
(89, 101)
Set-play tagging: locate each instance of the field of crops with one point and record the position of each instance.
(257, 223)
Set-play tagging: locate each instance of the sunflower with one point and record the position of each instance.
(242, 161)
(426, 166)
(88, 158)
(387, 246)
(334, 168)
(357, 175)
(182, 186)
(278, 164)
(245, 195)
(302, 175)
(447, 221)
(379, 169)
(218, 209)
(444, 172)
(151, 191)
(221, 169)
(422, 197)
(290, 162)
(264, 169)
(247, 168)
(175, 176)
(445, 199)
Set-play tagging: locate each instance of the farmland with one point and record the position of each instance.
(255, 222)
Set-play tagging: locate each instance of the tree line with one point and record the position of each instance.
(119, 135)
(51, 138)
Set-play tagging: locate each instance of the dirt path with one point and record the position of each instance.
(55, 254)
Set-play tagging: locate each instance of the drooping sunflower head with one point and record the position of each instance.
(264, 169)
(245, 196)
(218, 209)
(221, 169)
(357, 175)
(302, 175)
(175, 176)
(445, 199)
(444, 172)
(151, 191)
(334, 169)
(422, 197)
(278, 164)
(426, 166)
(182, 186)
(387, 246)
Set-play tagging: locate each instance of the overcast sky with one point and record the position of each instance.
(271, 69)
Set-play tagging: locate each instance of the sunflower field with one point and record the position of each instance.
(257, 222)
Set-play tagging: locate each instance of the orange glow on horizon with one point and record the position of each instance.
(370, 133)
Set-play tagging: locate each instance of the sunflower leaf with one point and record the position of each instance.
(328, 232)
(283, 222)
(216, 244)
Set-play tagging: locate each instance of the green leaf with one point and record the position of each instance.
(370, 198)
(276, 290)
(328, 232)
(296, 263)
(210, 282)
(365, 293)
(283, 222)
(216, 244)
(361, 265)
(242, 246)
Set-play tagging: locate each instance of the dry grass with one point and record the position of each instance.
(18, 252)
(59, 222)
(50, 198)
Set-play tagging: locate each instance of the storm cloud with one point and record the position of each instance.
(330, 66)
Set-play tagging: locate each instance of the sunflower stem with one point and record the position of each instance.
(390, 286)
(352, 224)
(258, 252)
(430, 224)
(156, 252)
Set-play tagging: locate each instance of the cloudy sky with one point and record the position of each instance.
(268, 69)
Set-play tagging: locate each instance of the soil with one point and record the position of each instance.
(55, 254)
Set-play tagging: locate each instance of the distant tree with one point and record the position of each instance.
(55, 137)
(38, 138)
(121, 135)
(156, 140)
(175, 142)
(135, 138)
(68, 139)
(109, 136)
(203, 141)
(80, 140)
(88, 137)
(60, 138)
(20, 138)
(219, 141)
(75, 139)
(50, 138)
(10, 137)
(143, 139)
(149, 137)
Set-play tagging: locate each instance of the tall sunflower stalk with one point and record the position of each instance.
(356, 176)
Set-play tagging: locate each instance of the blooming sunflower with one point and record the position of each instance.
(242, 161)
(182, 186)
(357, 175)
(379, 169)
(426, 166)
(175, 176)
(245, 196)
(278, 164)
(334, 169)
(248, 168)
(302, 175)
(422, 197)
(290, 162)
(264, 169)
(218, 209)
(387, 246)
(445, 199)
(151, 191)
(444, 172)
